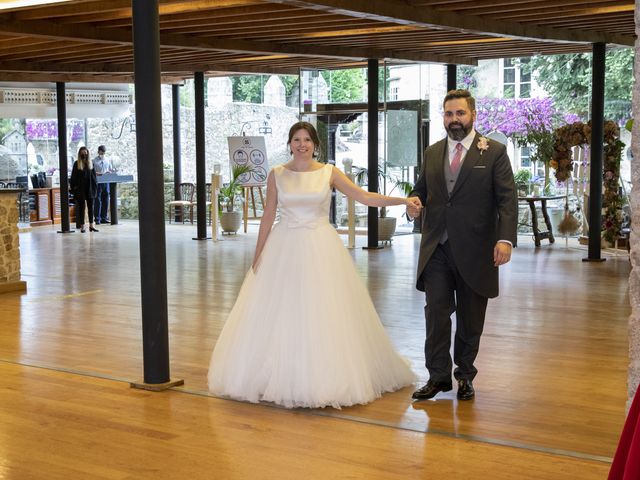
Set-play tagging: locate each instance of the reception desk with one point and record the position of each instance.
(45, 204)
(45, 207)
(10, 242)
(113, 179)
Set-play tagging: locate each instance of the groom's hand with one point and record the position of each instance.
(501, 253)
(414, 207)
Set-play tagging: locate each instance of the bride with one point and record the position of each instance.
(303, 331)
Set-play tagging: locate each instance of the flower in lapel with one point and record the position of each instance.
(483, 144)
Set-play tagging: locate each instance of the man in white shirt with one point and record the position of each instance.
(102, 166)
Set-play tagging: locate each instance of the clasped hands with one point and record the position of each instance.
(414, 207)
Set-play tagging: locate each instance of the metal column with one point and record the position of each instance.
(452, 77)
(372, 142)
(201, 194)
(597, 153)
(61, 104)
(177, 159)
(153, 265)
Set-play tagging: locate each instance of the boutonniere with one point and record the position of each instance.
(483, 144)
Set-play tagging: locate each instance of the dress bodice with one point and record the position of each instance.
(304, 198)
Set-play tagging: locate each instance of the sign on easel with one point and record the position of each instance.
(250, 151)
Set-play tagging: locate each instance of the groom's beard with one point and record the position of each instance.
(457, 131)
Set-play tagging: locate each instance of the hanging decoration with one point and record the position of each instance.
(579, 134)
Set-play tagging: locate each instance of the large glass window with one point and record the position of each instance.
(516, 78)
(335, 102)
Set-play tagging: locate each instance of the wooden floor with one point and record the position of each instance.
(551, 388)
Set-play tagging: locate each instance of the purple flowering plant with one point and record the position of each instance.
(48, 129)
(527, 121)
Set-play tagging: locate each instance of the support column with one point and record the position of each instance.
(597, 153)
(61, 104)
(177, 159)
(153, 264)
(331, 159)
(452, 77)
(201, 194)
(633, 376)
(372, 143)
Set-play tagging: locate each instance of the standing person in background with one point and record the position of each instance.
(102, 166)
(469, 227)
(84, 186)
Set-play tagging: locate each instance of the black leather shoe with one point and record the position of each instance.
(465, 389)
(431, 389)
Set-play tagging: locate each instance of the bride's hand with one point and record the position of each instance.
(255, 265)
(414, 206)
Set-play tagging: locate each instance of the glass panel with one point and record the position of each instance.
(509, 75)
(509, 91)
(525, 157)
(525, 90)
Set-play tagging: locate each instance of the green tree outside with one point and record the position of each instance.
(567, 80)
(345, 86)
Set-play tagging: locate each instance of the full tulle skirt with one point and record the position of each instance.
(303, 331)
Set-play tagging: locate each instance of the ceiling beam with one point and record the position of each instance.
(402, 13)
(63, 77)
(123, 36)
(126, 69)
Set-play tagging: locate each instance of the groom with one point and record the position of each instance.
(469, 227)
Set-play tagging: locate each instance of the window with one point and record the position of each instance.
(525, 157)
(509, 79)
(516, 78)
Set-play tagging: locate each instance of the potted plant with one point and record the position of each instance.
(523, 180)
(386, 225)
(542, 141)
(230, 197)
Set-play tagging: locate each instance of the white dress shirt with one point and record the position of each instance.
(466, 145)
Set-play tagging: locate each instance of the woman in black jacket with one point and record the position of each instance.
(84, 186)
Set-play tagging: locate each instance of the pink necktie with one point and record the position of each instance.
(455, 163)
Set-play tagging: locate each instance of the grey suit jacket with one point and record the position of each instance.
(482, 209)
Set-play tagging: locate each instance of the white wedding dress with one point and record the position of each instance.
(303, 331)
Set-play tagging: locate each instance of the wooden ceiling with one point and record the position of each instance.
(91, 40)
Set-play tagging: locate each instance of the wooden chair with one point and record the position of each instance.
(207, 203)
(177, 208)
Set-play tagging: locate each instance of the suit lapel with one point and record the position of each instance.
(440, 160)
(470, 160)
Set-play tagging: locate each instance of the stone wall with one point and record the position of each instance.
(221, 121)
(9, 239)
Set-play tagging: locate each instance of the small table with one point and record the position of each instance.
(537, 234)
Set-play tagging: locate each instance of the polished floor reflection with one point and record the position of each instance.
(553, 359)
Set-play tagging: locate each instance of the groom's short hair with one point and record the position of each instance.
(452, 94)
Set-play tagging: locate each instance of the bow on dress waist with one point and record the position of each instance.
(297, 222)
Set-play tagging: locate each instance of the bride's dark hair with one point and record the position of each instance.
(312, 133)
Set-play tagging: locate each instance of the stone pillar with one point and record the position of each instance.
(634, 277)
(10, 243)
